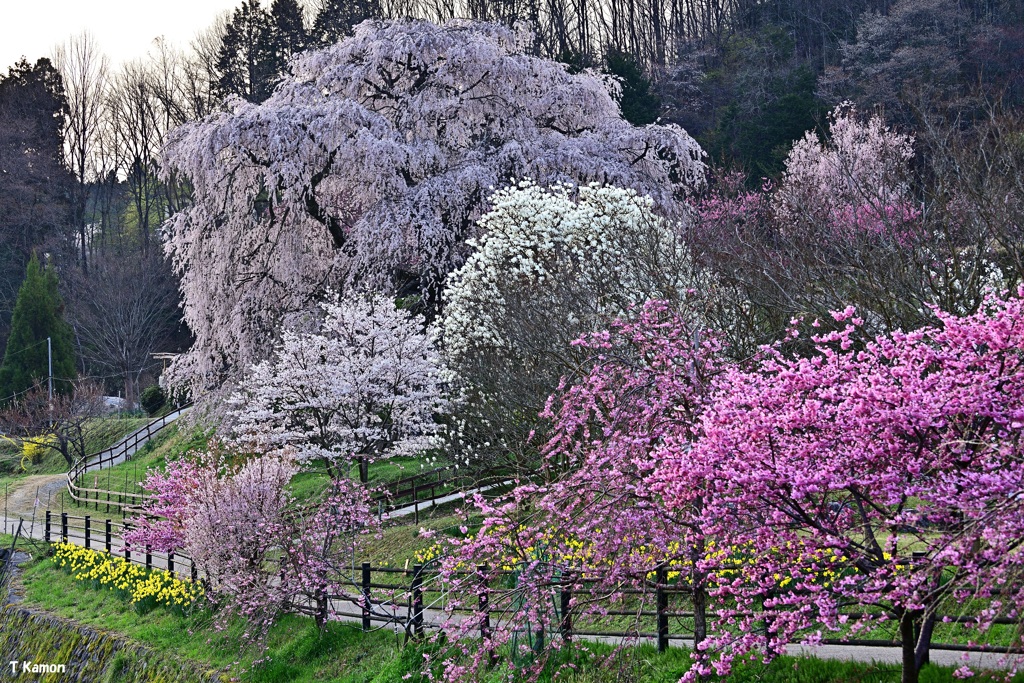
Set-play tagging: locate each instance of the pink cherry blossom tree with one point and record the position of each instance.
(261, 553)
(370, 163)
(875, 472)
(855, 183)
(367, 385)
(848, 223)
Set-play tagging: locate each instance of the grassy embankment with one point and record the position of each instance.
(102, 433)
(297, 652)
(171, 443)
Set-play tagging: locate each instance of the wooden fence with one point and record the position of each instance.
(107, 535)
(123, 451)
(425, 488)
(414, 599)
(414, 491)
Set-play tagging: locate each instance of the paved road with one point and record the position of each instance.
(131, 444)
(426, 505)
(46, 487)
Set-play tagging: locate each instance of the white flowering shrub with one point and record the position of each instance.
(552, 264)
(366, 385)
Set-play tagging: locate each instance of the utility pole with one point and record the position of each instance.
(49, 354)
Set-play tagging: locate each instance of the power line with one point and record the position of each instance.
(27, 348)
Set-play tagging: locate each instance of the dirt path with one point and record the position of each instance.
(21, 499)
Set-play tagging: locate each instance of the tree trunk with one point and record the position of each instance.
(924, 641)
(700, 613)
(321, 611)
(364, 469)
(910, 671)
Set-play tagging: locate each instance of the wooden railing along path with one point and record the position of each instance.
(123, 451)
(418, 599)
(414, 491)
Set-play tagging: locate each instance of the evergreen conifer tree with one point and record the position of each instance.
(335, 18)
(248, 62)
(640, 105)
(290, 34)
(38, 314)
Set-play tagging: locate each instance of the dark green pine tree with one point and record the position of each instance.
(34, 183)
(38, 314)
(638, 103)
(336, 18)
(290, 34)
(248, 62)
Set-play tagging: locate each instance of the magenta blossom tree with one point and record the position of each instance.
(592, 523)
(871, 481)
(884, 473)
(370, 164)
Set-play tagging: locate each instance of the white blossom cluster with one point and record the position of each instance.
(366, 385)
(553, 264)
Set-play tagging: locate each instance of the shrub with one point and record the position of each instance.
(153, 399)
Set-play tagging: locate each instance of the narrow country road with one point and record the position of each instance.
(34, 493)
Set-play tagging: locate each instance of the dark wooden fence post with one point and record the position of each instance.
(661, 600)
(417, 601)
(565, 600)
(88, 532)
(366, 596)
(46, 534)
(108, 535)
(485, 613)
(64, 527)
(415, 503)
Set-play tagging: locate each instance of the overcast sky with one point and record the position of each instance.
(124, 29)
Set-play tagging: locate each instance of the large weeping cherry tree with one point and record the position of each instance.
(370, 164)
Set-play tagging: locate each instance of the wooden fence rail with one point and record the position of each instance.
(407, 591)
(123, 451)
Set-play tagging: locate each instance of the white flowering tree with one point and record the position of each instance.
(552, 264)
(370, 164)
(365, 386)
(856, 182)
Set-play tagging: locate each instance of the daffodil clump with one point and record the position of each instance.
(145, 589)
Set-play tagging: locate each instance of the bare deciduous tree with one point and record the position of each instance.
(84, 69)
(66, 424)
(124, 311)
